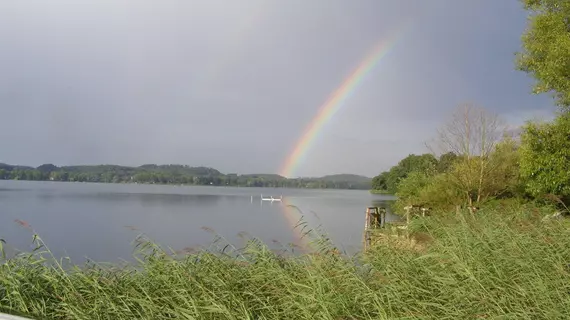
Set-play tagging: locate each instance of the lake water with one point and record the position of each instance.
(101, 221)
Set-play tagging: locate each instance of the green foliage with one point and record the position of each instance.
(410, 187)
(176, 174)
(498, 264)
(389, 180)
(445, 161)
(506, 180)
(460, 180)
(380, 182)
(440, 193)
(545, 157)
(480, 178)
(546, 44)
(428, 189)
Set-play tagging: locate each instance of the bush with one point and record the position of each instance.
(545, 158)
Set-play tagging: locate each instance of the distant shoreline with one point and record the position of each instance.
(175, 174)
(190, 185)
(383, 192)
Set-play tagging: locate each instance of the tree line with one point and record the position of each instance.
(475, 158)
(174, 174)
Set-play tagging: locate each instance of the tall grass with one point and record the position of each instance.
(502, 263)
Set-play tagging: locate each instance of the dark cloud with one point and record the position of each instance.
(233, 84)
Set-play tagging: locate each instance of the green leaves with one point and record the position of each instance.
(545, 157)
(546, 48)
(389, 180)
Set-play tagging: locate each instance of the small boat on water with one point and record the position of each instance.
(271, 198)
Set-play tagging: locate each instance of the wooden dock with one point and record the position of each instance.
(376, 229)
(375, 219)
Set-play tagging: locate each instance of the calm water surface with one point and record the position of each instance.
(101, 221)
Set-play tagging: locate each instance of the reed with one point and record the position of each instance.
(500, 263)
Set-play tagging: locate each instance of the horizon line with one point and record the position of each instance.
(178, 164)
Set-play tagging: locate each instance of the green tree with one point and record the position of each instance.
(54, 175)
(379, 182)
(445, 162)
(545, 157)
(37, 175)
(505, 170)
(472, 133)
(419, 163)
(546, 48)
(440, 194)
(410, 187)
(412, 163)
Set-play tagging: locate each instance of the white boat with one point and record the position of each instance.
(271, 198)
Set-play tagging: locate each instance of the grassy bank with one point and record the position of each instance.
(375, 191)
(504, 262)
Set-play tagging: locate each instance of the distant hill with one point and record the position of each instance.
(176, 174)
(9, 167)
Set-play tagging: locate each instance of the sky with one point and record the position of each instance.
(233, 84)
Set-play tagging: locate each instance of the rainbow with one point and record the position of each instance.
(293, 217)
(333, 104)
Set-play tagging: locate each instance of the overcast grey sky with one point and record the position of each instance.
(233, 84)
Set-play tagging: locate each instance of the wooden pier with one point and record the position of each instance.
(412, 210)
(376, 229)
(375, 219)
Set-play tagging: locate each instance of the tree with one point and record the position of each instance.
(419, 163)
(389, 180)
(472, 133)
(506, 179)
(445, 161)
(379, 182)
(546, 48)
(409, 188)
(545, 157)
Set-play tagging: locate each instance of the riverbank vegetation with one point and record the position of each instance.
(506, 261)
(177, 175)
(475, 157)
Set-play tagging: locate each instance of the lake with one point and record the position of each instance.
(101, 221)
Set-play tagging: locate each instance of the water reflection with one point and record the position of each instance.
(101, 221)
(146, 199)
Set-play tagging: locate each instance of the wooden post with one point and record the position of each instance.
(408, 209)
(383, 217)
(365, 234)
(375, 218)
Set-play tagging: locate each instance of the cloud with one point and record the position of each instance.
(233, 84)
